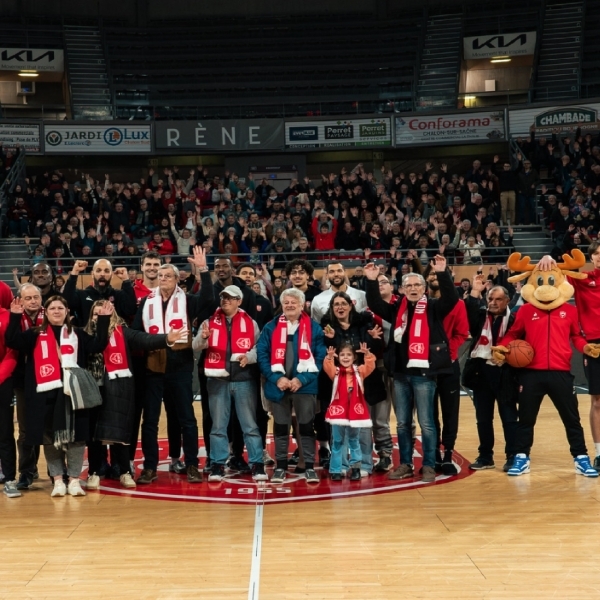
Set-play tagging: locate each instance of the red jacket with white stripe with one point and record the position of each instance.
(456, 326)
(587, 301)
(549, 333)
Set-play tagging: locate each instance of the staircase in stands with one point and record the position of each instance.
(87, 73)
(559, 65)
(440, 63)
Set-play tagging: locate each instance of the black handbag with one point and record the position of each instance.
(439, 357)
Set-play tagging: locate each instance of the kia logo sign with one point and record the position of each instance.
(510, 44)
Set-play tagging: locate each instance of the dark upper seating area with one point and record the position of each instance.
(302, 63)
(590, 64)
(505, 16)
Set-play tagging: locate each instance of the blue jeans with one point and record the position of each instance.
(221, 392)
(365, 438)
(409, 391)
(340, 434)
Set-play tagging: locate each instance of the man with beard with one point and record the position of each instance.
(299, 271)
(337, 283)
(43, 277)
(80, 301)
(456, 326)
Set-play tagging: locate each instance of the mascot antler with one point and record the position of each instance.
(516, 263)
(575, 261)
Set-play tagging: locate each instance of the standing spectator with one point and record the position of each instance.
(528, 182)
(508, 181)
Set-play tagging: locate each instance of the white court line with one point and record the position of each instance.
(254, 585)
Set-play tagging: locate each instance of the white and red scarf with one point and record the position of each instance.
(483, 347)
(348, 406)
(27, 322)
(242, 340)
(47, 361)
(418, 335)
(306, 361)
(175, 316)
(115, 355)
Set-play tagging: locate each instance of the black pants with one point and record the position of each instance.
(558, 385)
(206, 418)
(8, 447)
(448, 393)
(28, 455)
(484, 399)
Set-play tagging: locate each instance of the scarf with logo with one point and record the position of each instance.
(115, 355)
(27, 322)
(483, 347)
(175, 316)
(306, 361)
(348, 406)
(46, 359)
(242, 340)
(418, 335)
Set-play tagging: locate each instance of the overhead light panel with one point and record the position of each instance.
(500, 59)
(28, 74)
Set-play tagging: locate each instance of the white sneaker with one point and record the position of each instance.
(93, 482)
(10, 489)
(127, 481)
(75, 488)
(60, 489)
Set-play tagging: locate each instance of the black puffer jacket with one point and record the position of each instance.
(115, 420)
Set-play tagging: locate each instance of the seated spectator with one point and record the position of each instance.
(183, 238)
(472, 250)
(19, 219)
(163, 246)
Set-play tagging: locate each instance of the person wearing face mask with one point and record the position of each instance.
(50, 349)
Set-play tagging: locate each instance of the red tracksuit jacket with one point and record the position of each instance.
(456, 326)
(8, 357)
(550, 334)
(587, 301)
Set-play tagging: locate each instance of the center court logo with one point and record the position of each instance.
(241, 489)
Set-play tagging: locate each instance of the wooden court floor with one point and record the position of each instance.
(484, 537)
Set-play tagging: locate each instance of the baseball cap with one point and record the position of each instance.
(233, 291)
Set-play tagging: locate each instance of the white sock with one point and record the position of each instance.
(597, 446)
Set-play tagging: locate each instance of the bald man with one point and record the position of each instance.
(80, 301)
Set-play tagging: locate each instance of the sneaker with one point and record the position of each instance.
(24, 482)
(597, 463)
(355, 474)
(127, 481)
(11, 490)
(294, 459)
(237, 463)
(520, 465)
(584, 467)
(147, 476)
(60, 489)
(268, 460)
(482, 463)
(74, 488)
(36, 475)
(384, 465)
(93, 482)
(311, 476)
(178, 467)
(402, 472)
(324, 457)
(510, 459)
(258, 472)
(193, 474)
(279, 476)
(207, 465)
(428, 475)
(217, 472)
(336, 476)
(448, 467)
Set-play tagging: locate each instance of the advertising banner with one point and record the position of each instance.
(25, 134)
(32, 59)
(509, 44)
(458, 127)
(90, 139)
(219, 135)
(340, 133)
(555, 119)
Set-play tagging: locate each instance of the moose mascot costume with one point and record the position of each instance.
(549, 325)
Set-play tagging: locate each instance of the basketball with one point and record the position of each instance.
(520, 353)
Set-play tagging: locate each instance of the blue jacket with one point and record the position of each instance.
(309, 380)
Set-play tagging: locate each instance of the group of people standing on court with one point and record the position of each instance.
(330, 364)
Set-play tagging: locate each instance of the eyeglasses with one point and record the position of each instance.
(383, 281)
(340, 305)
(228, 298)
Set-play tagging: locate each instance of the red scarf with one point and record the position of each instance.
(115, 355)
(348, 406)
(28, 323)
(418, 336)
(47, 362)
(242, 340)
(306, 361)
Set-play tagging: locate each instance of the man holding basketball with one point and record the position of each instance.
(587, 302)
(549, 325)
(490, 381)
